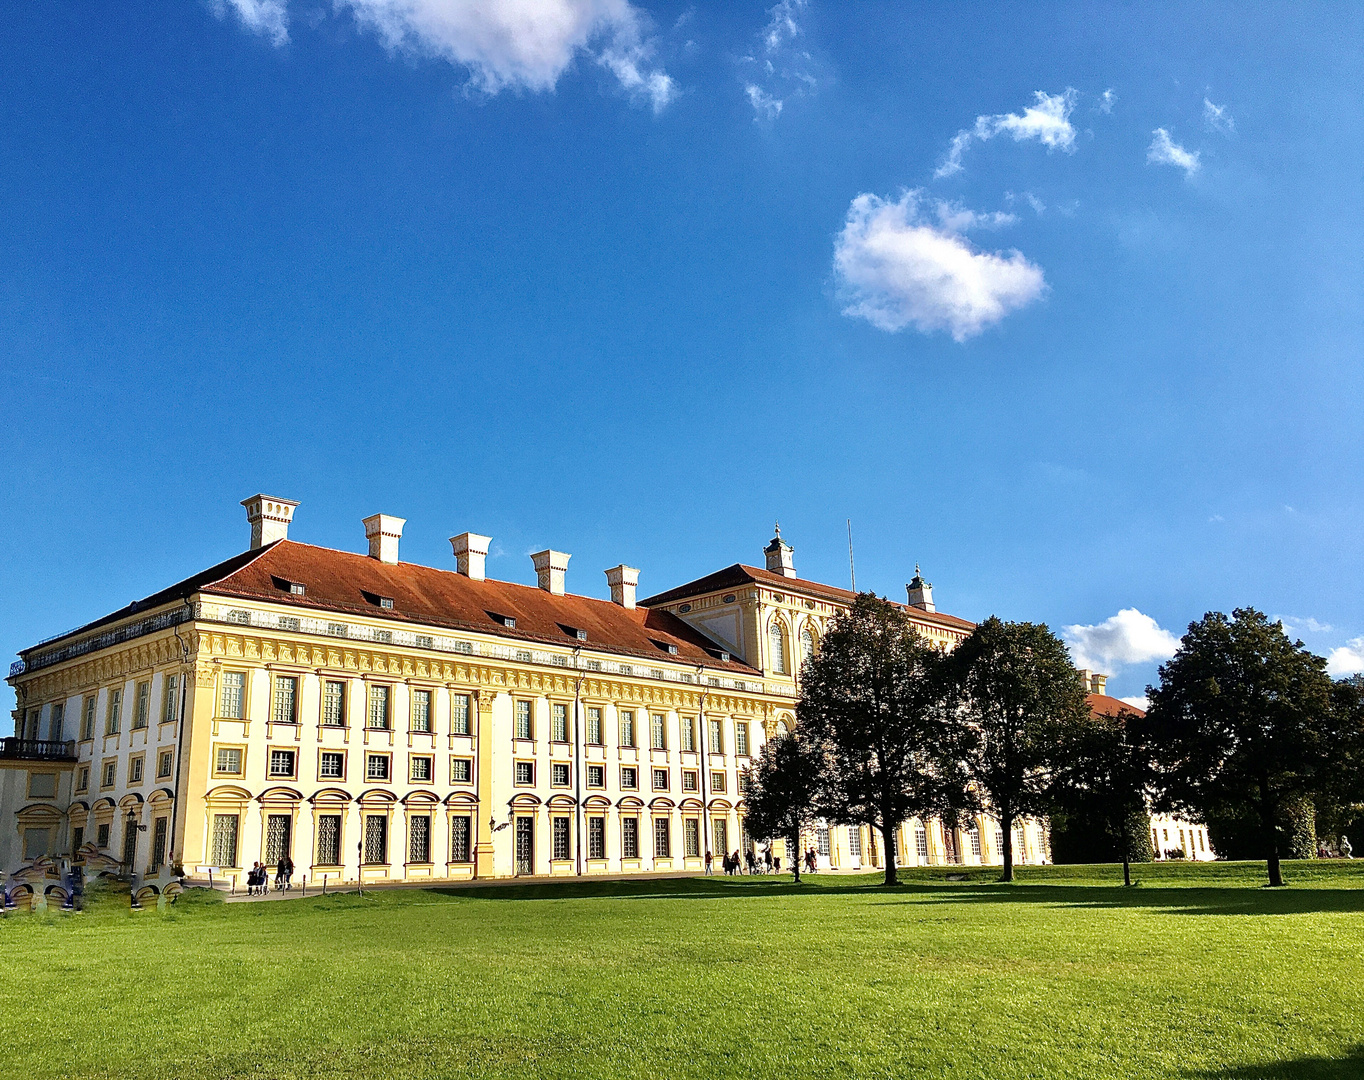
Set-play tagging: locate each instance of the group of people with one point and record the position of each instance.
(1344, 850)
(258, 877)
(759, 862)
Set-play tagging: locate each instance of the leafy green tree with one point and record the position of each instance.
(1243, 724)
(1101, 777)
(872, 698)
(782, 785)
(1015, 689)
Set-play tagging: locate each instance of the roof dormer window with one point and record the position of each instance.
(293, 588)
(506, 620)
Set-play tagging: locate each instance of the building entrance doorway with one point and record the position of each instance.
(525, 845)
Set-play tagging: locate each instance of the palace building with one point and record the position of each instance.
(378, 720)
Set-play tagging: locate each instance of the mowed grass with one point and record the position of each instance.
(1196, 972)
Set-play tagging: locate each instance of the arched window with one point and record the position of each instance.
(807, 644)
(777, 638)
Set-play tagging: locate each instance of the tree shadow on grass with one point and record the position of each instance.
(1181, 901)
(1349, 1066)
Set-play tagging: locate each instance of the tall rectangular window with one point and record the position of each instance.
(629, 838)
(459, 714)
(378, 708)
(973, 838)
(233, 703)
(421, 710)
(822, 841)
(135, 767)
(329, 839)
(142, 712)
(55, 722)
(627, 728)
(170, 698)
(855, 842)
(334, 703)
(688, 732)
(741, 739)
(594, 732)
(717, 737)
(419, 839)
(691, 837)
(560, 834)
(111, 773)
(719, 829)
(663, 844)
(525, 726)
(459, 839)
(921, 842)
(88, 719)
(558, 722)
(658, 732)
(596, 838)
(113, 716)
(376, 840)
(224, 845)
(286, 699)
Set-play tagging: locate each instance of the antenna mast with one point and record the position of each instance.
(852, 572)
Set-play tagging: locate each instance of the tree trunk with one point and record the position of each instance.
(793, 843)
(1127, 853)
(1270, 825)
(1006, 822)
(888, 839)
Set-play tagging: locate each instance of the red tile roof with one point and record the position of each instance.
(1103, 705)
(347, 583)
(739, 575)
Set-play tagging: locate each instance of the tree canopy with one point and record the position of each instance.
(1244, 721)
(872, 700)
(782, 784)
(1015, 689)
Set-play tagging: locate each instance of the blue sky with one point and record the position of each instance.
(634, 280)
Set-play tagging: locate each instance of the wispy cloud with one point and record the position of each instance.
(1296, 624)
(1047, 121)
(1129, 637)
(896, 267)
(269, 18)
(1140, 701)
(1346, 660)
(1217, 118)
(502, 44)
(1106, 101)
(780, 67)
(1165, 151)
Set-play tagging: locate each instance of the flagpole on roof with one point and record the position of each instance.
(852, 572)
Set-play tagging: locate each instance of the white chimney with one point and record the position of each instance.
(269, 518)
(1098, 684)
(920, 592)
(780, 556)
(383, 533)
(550, 567)
(623, 581)
(470, 552)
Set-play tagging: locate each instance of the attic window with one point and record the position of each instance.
(667, 647)
(581, 635)
(386, 602)
(684, 608)
(723, 655)
(506, 620)
(294, 588)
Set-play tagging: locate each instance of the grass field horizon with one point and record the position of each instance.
(1197, 971)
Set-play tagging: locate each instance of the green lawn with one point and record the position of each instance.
(1197, 972)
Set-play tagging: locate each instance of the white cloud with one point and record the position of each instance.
(956, 218)
(1106, 100)
(1141, 701)
(269, 18)
(783, 69)
(1346, 660)
(897, 268)
(765, 106)
(1047, 120)
(1129, 637)
(1165, 151)
(1296, 623)
(1217, 118)
(503, 44)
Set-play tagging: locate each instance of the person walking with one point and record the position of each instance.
(710, 862)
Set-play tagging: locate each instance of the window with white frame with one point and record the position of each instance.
(329, 839)
(660, 779)
(741, 739)
(629, 778)
(376, 767)
(114, 713)
(558, 774)
(143, 709)
(525, 723)
(921, 841)
(691, 837)
(525, 773)
(223, 847)
(165, 764)
(658, 731)
(807, 644)
(380, 718)
(170, 698)
(419, 838)
(419, 768)
(777, 646)
(421, 711)
(973, 838)
(663, 847)
(282, 763)
(286, 699)
(717, 782)
(629, 838)
(376, 839)
(228, 761)
(690, 780)
(461, 770)
(855, 842)
(233, 699)
(596, 837)
(822, 840)
(459, 714)
(596, 776)
(331, 766)
(627, 727)
(334, 703)
(688, 724)
(110, 773)
(558, 722)
(135, 767)
(594, 726)
(716, 732)
(459, 838)
(88, 719)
